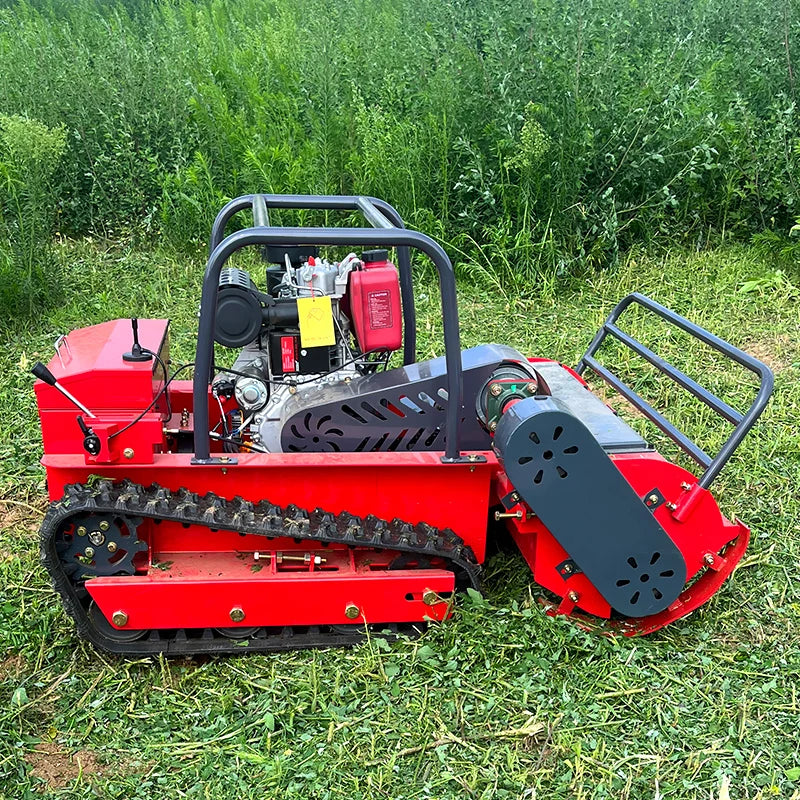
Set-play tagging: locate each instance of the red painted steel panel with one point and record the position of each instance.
(415, 487)
(201, 590)
(705, 530)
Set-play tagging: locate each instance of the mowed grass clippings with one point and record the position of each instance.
(499, 702)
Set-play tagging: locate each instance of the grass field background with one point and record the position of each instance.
(499, 702)
(547, 135)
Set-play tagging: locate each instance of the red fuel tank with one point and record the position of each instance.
(375, 305)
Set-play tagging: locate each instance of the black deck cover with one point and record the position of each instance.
(562, 472)
(611, 432)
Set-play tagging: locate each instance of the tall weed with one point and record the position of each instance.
(575, 128)
(30, 153)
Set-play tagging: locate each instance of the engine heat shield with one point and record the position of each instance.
(570, 483)
(402, 409)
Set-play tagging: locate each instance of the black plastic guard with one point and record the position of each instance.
(563, 474)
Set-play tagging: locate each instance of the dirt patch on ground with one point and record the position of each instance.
(12, 666)
(58, 767)
(20, 514)
(19, 523)
(774, 352)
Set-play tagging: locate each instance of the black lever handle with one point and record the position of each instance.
(91, 441)
(43, 374)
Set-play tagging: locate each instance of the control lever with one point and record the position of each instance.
(44, 374)
(136, 353)
(91, 441)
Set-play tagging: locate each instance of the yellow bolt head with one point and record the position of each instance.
(429, 597)
(120, 619)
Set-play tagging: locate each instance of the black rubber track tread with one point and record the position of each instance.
(128, 499)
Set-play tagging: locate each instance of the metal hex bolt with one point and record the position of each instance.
(120, 619)
(104, 525)
(492, 426)
(573, 596)
(708, 558)
(89, 552)
(532, 387)
(128, 452)
(653, 498)
(686, 486)
(351, 611)
(112, 547)
(81, 531)
(236, 614)
(429, 597)
(96, 538)
(495, 389)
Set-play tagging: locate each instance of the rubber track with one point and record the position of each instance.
(128, 499)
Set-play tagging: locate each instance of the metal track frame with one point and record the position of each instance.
(128, 499)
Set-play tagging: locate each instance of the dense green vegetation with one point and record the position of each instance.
(500, 703)
(526, 134)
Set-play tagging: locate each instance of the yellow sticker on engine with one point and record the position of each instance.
(316, 321)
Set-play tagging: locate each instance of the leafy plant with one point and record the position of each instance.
(770, 280)
(30, 153)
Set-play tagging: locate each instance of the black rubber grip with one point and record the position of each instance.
(43, 374)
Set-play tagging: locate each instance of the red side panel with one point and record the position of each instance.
(415, 487)
(201, 590)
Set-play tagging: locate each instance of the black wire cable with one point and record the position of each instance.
(149, 408)
(164, 371)
(248, 447)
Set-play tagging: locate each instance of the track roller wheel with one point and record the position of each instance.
(104, 627)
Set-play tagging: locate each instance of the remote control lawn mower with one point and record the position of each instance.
(307, 493)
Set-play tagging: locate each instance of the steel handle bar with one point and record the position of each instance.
(742, 422)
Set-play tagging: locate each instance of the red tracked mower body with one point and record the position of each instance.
(179, 550)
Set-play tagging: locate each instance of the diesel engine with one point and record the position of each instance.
(318, 324)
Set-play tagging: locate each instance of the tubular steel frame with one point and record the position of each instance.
(742, 422)
(387, 230)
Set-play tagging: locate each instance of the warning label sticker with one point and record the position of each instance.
(379, 308)
(316, 321)
(287, 354)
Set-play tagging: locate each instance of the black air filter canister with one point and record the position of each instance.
(238, 317)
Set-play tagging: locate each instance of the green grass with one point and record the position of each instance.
(499, 702)
(577, 128)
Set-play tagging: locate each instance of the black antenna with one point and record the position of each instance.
(136, 353)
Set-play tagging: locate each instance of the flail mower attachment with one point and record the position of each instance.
(308, 492)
